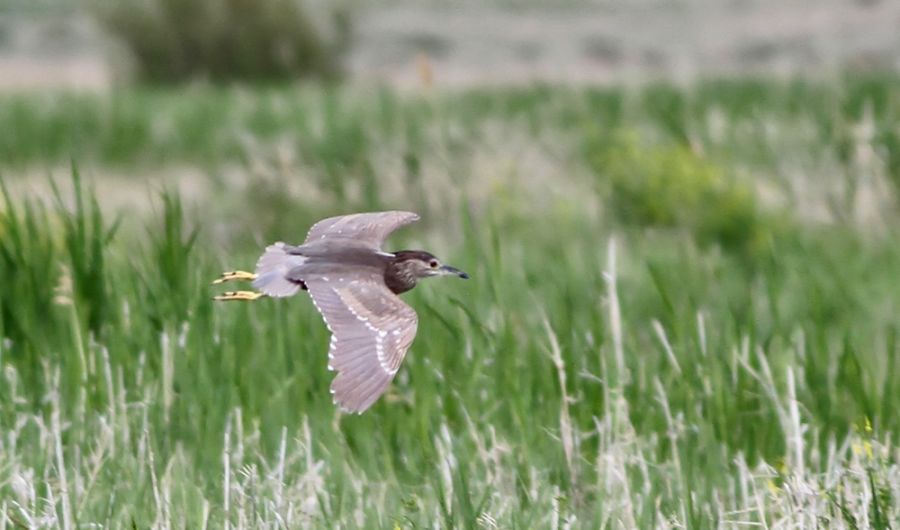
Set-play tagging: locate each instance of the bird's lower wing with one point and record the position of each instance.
(371, 328)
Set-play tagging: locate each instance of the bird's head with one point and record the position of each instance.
(407, 267)
(420, 264)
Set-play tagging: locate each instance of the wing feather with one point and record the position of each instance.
(370, 229)
(372, 329)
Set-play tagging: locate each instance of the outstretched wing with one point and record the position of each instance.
(371, 229)
(371, 331)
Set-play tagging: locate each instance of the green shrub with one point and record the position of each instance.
(674, 187)
(224, 40)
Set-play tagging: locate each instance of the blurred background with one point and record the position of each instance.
(680, 217)
(62, 43)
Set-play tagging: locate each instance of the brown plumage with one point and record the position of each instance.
(354, 285)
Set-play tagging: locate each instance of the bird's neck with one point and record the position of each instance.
(399, 277)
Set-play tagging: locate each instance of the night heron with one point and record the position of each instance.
(354, 285)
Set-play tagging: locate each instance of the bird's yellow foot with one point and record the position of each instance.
(234, 276)
(238, 295)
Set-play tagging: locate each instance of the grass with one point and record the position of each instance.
(604, 368)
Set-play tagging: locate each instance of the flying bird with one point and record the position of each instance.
(355, 285)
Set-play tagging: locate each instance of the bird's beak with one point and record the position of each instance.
(448, 270)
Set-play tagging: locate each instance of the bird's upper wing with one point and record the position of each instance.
(371, 330)
(371, 229)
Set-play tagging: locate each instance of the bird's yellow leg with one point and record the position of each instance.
(231, 276)
(238, 295)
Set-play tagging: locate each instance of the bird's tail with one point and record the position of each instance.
(272, 269)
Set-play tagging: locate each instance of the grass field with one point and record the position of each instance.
(683, 311)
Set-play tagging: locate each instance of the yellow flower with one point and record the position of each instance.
(782, 467)
(863, 448)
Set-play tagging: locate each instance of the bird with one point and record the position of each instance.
(355, 286)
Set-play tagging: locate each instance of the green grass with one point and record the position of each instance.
(638, 347)
(203, 124)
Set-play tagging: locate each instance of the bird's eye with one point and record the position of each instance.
(433, 264)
